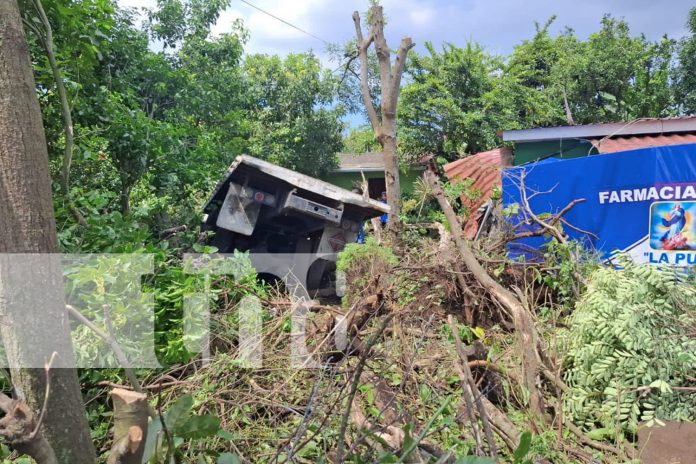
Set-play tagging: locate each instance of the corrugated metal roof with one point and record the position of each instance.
(484, 168)
(355, 162)
(611, 145)
(642, 126)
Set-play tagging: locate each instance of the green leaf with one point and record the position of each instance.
(475, 460)
(198, 427)
(523, 448)
(225, 435)
(409, 442)
(178, 413)
(228, 458)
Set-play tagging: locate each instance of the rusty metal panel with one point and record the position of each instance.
(484, 168)
(612, 145)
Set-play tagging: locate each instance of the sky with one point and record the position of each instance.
(498, 25)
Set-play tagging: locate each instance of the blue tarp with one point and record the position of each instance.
(642, 202)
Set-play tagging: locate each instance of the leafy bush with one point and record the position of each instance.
(368, 252)
(360, 263)
(630, 341)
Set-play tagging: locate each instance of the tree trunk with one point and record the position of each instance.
(32, 282)
(125, 198)
(384, 125)
(391, 177)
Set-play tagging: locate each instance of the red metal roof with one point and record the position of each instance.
(611, 145)
(484, 168)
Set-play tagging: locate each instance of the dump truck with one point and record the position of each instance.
(296, 222)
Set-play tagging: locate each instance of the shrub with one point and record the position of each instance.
(630, 341)
(361, 263)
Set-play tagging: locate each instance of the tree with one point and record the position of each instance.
(290, 113)
(384, 124)
(360, 140)
(685, 72)
(619, 77)
(28, 226)
(443, 107)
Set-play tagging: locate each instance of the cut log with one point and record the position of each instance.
(130, 426)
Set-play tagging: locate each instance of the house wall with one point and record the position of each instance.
(346, 179)
(565, 149)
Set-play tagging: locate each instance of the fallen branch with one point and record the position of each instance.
(471, 393)
(524, 325)
(355, 383)
(582, 438)
(172, 231)
(111, 341)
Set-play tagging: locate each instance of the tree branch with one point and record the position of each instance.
(399, 64)
(470, 392)
(356, 383)
(111, 341)
(47, 42)
(363, 45)
(524, 325)
(383, 56)
(23, 430)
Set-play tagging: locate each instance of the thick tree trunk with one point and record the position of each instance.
(391, 177)
(32, 283)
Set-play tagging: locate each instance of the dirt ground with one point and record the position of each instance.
(673, 443)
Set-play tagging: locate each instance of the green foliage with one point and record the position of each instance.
(356, 253)
(457, 99)
(291, 120)
(685, 72)
(630, 340)
(172, 282)
(443, 109)
(177, 21)
(361, 263)
(565, 263)
(361, 140)
(182, 425)
(518, 456)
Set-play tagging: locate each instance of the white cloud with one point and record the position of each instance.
(497, 24)
(422, 17)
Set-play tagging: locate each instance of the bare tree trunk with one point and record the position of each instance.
(28, 226)
(383, 125)
(125, 198)
(566, 105)
(391, 178)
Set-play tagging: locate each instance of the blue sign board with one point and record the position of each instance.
(642, 202)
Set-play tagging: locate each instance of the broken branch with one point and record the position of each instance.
(524, 325)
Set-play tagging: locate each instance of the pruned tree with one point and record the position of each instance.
(28, 226)
(384, 123)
